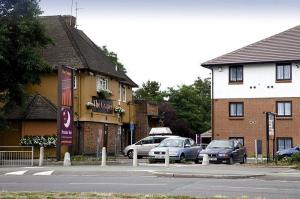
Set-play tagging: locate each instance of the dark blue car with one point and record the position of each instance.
(288, 152)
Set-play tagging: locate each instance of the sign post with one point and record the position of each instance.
(270, 132)
(65, 120)
(131, 132)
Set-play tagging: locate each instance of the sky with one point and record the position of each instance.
(167, 40)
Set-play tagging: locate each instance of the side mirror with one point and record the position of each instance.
(187, 145)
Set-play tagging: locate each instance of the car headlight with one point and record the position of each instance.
(223, 154)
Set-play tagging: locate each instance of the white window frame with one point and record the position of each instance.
(75, 82)
(101, 83)
(124, 96)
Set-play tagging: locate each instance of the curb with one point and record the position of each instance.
(185, 175)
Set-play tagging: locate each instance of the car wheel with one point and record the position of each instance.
(182, 158)
(244, 160)
(196, 161)
(130, 154)
(230, 161)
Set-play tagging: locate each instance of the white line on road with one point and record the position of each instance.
(44, 173)
(258, 188)
(17, 173)
(112, 183)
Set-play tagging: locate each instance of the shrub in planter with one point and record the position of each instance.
(38, 141)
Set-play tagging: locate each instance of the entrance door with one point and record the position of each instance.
(105, 135)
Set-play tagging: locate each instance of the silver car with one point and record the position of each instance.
(180, 149)
(144, 145)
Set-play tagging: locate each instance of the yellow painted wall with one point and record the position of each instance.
(86, 89)
(47, 87)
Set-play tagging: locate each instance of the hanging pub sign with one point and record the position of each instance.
(65, 106)
(102, 106)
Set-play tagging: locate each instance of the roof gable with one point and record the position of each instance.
(36, 107)
(284, 46)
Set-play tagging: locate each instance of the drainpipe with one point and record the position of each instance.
(212, 104)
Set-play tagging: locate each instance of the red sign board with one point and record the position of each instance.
(65, 105)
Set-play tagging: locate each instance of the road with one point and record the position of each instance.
(143, 182)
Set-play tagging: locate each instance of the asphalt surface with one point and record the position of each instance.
(267, 182)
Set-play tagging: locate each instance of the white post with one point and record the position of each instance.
(67, 159)
(135, 161)
(41, 160)
(205, 160)
(103, 160)
(167, 158)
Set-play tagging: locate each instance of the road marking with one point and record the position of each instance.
(112, 183)
(17, 173)
(259, 188)
(44, 173)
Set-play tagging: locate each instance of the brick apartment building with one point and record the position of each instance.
(261, 77)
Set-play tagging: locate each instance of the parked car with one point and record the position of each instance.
(288, 152)
(180, 149)
(225, 151)
(144, 145)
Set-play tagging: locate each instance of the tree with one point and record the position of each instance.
(150, 91)
(192, 104)
(21, 38)
(114, 59)
(169, 118)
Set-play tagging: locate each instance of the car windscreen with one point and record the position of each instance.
(171, 143)
(220, 144)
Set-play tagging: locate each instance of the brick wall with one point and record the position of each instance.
(93, 130)
(253, 125)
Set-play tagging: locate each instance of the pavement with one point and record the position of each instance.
(124, 167)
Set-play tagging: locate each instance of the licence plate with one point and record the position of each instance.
(159, 157)
(212, 159)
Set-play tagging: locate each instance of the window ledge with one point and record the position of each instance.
(235, 83)
(284, 81)
(236, 118)
(284, 118)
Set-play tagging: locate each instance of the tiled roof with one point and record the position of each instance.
(284, 46)
(74, 48)
(35, 107)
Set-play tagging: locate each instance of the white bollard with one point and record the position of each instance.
(41, 160)
(67, 159)
(135, 161)
(205, 160)
(103, 159)
(167, 158)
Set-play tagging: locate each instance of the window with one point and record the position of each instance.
(284, 143)
(236, 109)
(240, 139)
(284, 109)
(101, 83)
(158, 140)
(75, 82)
(122, 93)
(235, 74)
(147, 140)
(283, 72)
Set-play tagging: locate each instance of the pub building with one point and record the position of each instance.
(102, 104)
